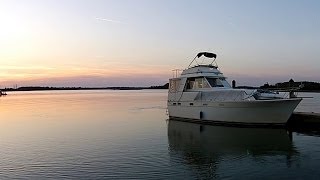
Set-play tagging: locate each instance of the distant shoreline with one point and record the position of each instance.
(106, 88)
(291, 85)
(308, 87)
(40, 88)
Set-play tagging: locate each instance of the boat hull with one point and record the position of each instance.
(258, 112)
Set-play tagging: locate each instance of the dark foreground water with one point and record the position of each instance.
(125, 135)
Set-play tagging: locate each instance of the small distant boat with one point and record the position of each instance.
(2, 93)
(201, 93)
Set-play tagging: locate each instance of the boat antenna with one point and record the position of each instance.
(214, 60)
(192, 61)
(206, 54)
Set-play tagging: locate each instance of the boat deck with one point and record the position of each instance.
(304, 119)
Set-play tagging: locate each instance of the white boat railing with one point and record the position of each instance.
(226, 95)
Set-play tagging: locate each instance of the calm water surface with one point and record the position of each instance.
(125, 134)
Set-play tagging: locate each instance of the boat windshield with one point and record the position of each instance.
(206, 82)
(197, 83)
(218, 82)
(214, 82)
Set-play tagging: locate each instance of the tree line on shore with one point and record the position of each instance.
(301, 86)
(43, 88)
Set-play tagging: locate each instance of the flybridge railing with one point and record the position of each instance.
(238, 96)
(224, 96)
(176, 73)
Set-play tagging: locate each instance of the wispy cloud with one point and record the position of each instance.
(109, 20)
(14, 67)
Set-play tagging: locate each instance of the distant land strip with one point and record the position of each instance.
(291, 85)
(46, 88)
(301, 86)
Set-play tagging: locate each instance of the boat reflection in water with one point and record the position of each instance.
(208, 148)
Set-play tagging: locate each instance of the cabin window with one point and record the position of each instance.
(205, 84)
(190, 83)
(197, 83)
(215, 82)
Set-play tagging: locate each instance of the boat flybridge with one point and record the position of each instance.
(202, 93)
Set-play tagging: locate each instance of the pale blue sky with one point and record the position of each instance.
(136, 42)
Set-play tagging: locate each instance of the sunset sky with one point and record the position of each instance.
(138, 42)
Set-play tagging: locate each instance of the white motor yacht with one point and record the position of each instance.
(202, 93)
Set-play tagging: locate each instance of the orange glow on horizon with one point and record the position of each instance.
(33, 73)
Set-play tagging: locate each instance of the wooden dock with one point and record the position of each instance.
(304, 120)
